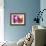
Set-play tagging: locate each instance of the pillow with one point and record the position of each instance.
(10, 43)
(20, 42)
(28, 39)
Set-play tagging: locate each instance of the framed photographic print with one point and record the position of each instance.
(17, 18)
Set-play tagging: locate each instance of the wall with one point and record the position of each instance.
(29, 7)
(43, 6)
(1, 20)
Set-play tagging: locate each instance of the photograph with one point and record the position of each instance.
(17, 18)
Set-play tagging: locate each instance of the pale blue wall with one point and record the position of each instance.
(43, 6)
(29, 7)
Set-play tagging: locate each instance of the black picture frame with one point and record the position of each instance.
(19, 15)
